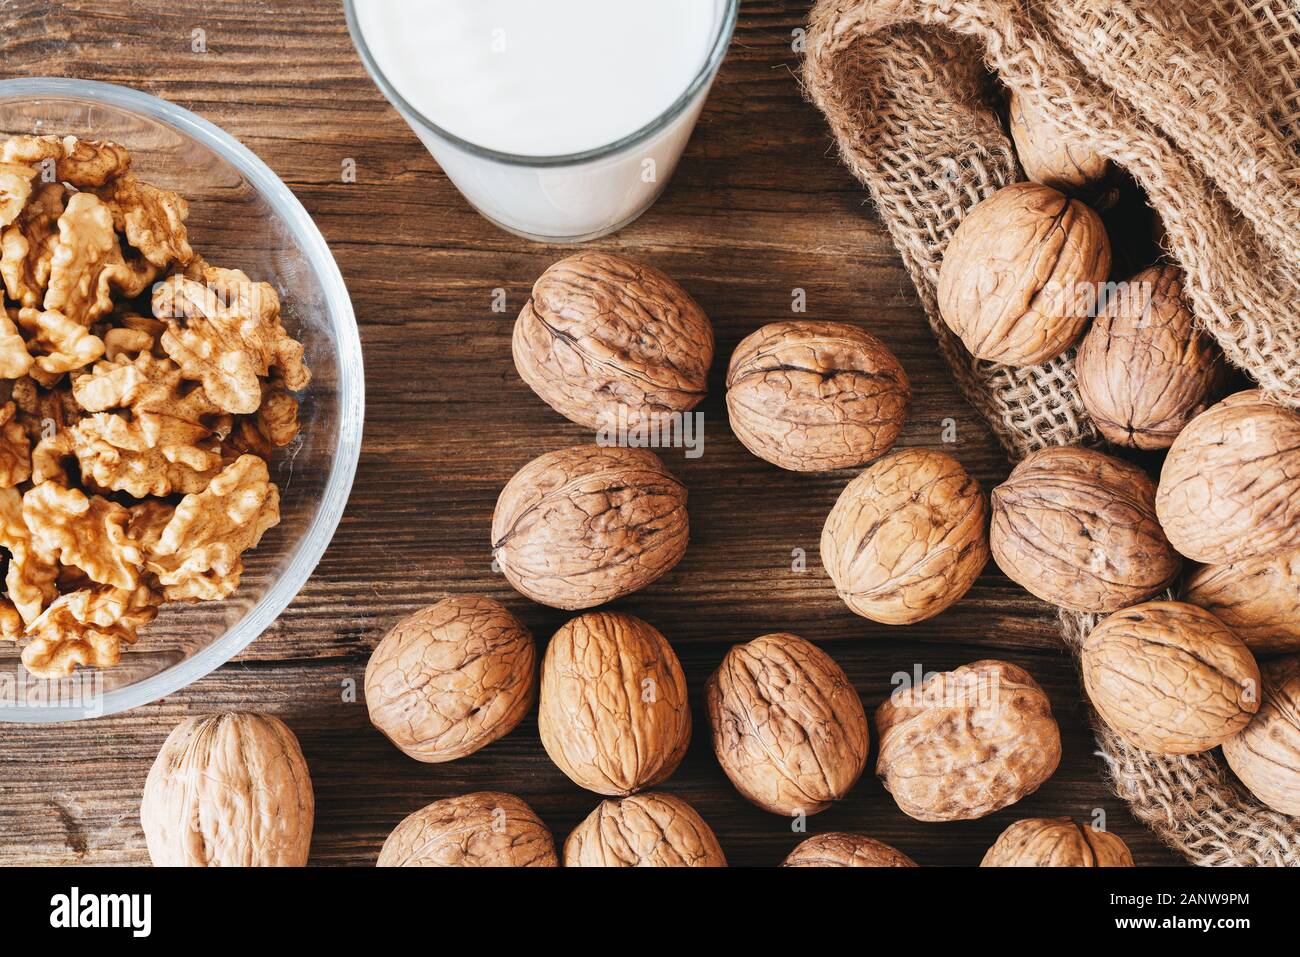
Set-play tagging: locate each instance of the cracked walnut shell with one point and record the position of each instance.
(608, 342)
(645, 830)
(1169, 677)
(966, 743)
(483, 829)
(1144, 370)
(1047, 157)
(1056, 842)
(788, 727)
(812, 396)
(1078, 528)
(613, 712)
(582, 526)
(451, 678)
(1021, 274)
(845, 850)
(1230, 485)
(1257, 598)
(1266, 753)
(229, 790)
(906, 538)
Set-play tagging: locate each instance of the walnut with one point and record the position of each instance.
(165, 412)
(582, 526)
(81, 163)
(89, 533)
(1257, 598)
(27, 246)
(645, 830)
(811, 396)
(1169, 677)
(1078, 528)
(1046, 157)
(613, 713)
(226, 332)
(451, 678)
(112, 455)
(1230, 486)
(906, 538)
(1144, 369)
(198, 555)
(60, 344)
(32, 574)
(1021, 274)
(86, 263)
(1266, 753)
(966, 743)
(846, 850)
(229, 790)
(15, 360)
(607, 342)
(152, 219)
(87, 628)
(484, 829)
(1056, 842)
(788, 728)
(15, 448)
(15, 190)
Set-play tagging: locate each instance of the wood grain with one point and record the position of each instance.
(759, 207)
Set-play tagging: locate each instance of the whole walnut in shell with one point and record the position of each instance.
(1266, 753)
(788, 728)
(811, 396)
(606, 341)
(1230, 486)
(1056, 842)
(1257, 598)
(229, 790)
(1078, 528)
(483, 829)
(845, 850)
(1020, 277)
(1169, 677)
(582, 526)
(614, 714)
(906, 538)
(966, 743)
(1144, 370)
(645, 830)
(451, 678)
(1047, 157)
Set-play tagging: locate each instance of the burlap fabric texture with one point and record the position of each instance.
(1199, 100)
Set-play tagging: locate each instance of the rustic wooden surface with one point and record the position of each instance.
(759, 207)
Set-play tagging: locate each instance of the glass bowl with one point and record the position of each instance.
(241, 216)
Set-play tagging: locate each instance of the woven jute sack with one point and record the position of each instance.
(1199, 100)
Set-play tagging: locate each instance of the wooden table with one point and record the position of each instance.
(759, 209)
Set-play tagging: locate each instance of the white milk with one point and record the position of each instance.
(540, 79)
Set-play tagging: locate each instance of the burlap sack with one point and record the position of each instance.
(1200, 101)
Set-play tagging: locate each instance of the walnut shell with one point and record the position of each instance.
(966, 743)
(483, 829)
(1046, 157)
(1169, 677)
(604, 341)
(614, 714)
(1021, 274)
(1258, 598)
(229, 790)
(1078, 528)
(1230, 486)
(451, 678)
(1144, 370)
(811, 396)
(788, 728)
(906, 538)
(1266, 753)
(582, 526)
(645, 830)
(1056, 842)
(846, 850)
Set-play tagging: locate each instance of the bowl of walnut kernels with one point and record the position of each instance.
(181, 398)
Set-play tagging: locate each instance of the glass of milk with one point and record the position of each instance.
(559, 120)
